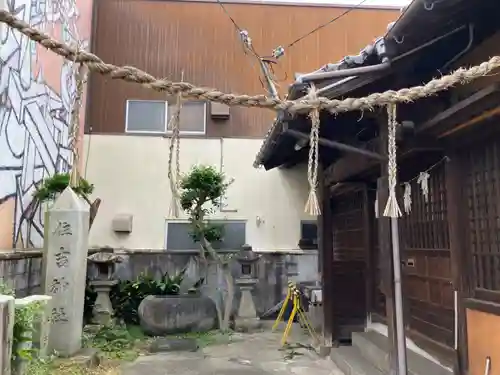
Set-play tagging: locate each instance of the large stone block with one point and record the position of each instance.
(162, 315)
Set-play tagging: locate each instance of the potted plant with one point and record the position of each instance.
(167, 310)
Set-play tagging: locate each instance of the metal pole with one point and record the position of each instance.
(270, 84)
(398, 299)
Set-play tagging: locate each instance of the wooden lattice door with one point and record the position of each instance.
(426, 269)
(349, 263)
(481, 190)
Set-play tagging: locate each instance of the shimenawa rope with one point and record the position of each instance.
(132, 74)
(392, 208)
(174, 124)
(75, 123)
(312, 204)
(313, 104)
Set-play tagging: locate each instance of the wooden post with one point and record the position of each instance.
(456, 226)
(368, 245)
(325, 249)
(385, 256)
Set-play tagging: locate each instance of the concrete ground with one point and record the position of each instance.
(248, 354)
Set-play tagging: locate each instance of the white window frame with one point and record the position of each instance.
(195, 132)
(146, 131)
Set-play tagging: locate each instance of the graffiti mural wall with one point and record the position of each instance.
(37, 89)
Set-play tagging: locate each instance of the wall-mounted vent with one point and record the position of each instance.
(122, 223)
(219, 111)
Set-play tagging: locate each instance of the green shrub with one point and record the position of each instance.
(56, 184)
(127, 295)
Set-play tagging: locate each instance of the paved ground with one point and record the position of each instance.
(250, 354)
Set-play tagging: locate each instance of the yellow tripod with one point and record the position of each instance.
(293, 294)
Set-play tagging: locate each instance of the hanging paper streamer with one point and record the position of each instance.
(392, 208)
(407, 198)
(423, 181)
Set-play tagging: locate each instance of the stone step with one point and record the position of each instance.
(351, 361)
(375, 348)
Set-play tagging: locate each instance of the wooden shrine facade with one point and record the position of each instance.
(449, 235)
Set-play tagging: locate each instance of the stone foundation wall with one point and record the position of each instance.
(273, 271)
(22, 270)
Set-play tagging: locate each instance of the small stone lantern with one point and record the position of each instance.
(246, 318)
(104, 263)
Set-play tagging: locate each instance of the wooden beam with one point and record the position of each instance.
(452, 114)
(352, 165)
(337, 145)
(474, 121)
(325, 247)
(456, 226)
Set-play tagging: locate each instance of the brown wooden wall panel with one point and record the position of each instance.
(349, 263)
(167, 37)
(481, 176)
(427, 279)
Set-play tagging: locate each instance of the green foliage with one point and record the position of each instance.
(56, 184)
(201, 185)
(127, 295)
(23, 327)
(201, 192)
(88, 306)
(23, 331)
(114, 340)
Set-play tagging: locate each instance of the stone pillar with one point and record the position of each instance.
(6, 333)
(65, 268)
(102, 314)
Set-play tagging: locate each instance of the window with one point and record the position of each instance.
(177, 236)
(153, 117)
(146, 116)
(308, 235)
(193, 118)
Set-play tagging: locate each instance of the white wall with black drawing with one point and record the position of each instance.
(36, 95)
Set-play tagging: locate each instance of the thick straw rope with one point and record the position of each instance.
(132, 74)
(312, 204)
(174, 124)
(75, 125)
(392, 208)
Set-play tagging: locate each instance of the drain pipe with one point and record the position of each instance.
(465, 50)
(344, 72)
(348, 74)
(487, 367)
(455, 308)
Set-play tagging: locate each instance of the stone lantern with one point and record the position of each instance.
(104, 263)
(246, 318)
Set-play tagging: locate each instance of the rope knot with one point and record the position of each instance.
(79, 74)
(312, 204)
(392, 208)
